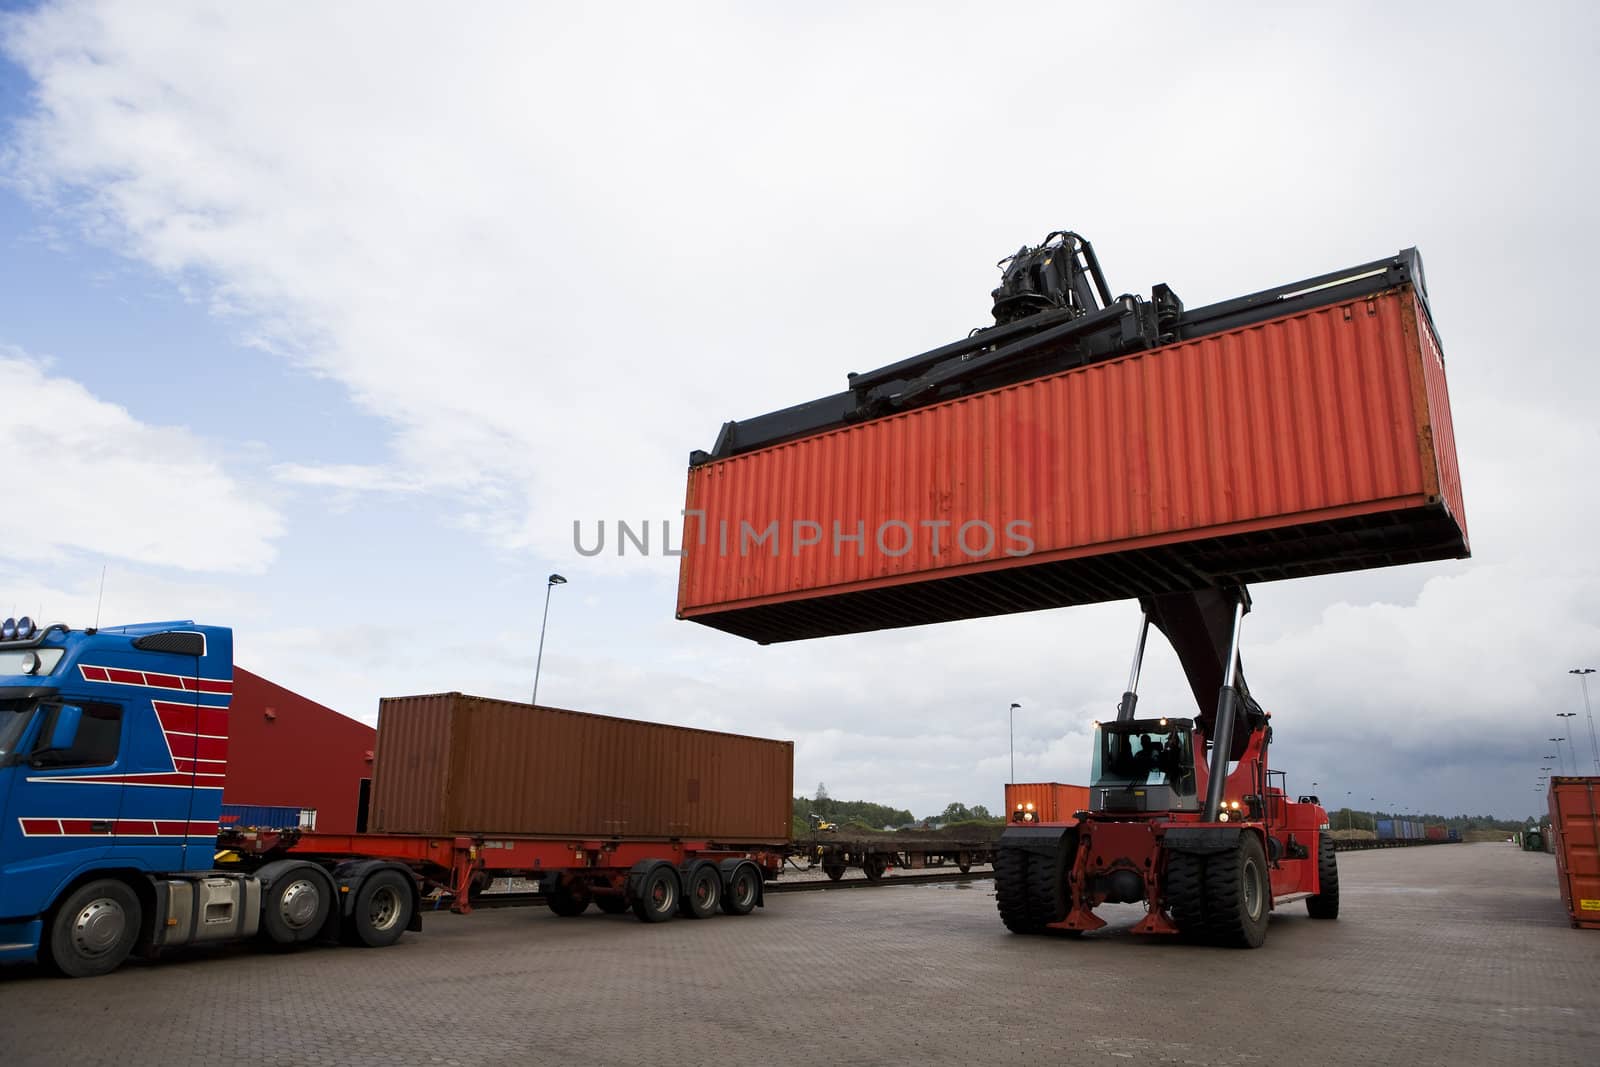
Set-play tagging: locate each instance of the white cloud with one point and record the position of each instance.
(351, 477)
(98, 481)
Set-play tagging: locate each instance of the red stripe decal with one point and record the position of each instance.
(38, 827)
(94, 674)
(163, 681)
(184, 718)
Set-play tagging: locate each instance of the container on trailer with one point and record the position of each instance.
(449, 763)
(1453, 834)
(1385, 829)
(1437, 832)
(1313, 443)
(263, 817)
(1047, 802)
(1575, 839)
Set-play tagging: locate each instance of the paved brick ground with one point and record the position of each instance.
(1456, 954)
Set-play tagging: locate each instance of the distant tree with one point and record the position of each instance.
(955, 813)
(980, 812)
(822, 792)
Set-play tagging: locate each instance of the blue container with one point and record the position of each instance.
(1453, 835)
(1385, 829)
(260, 816)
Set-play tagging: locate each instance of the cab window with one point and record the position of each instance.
(98, 742)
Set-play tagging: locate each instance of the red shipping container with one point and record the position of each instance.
(1575, 839)
(1313, 443)
(1052, 802)
(1437, 832)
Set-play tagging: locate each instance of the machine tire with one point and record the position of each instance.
(1011, 890)
(295, 907)
(1048, 897)
(873, 865)
(659, 894)
(964, 861)
(1325, 905)
(565, 903)
(743, 890)
(1239, 894)
(1185, 892)
(93, 930)
(702, 892)
(612, 905)
(834, 871)
(382, 909)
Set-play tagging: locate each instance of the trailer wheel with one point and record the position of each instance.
(1238, 895)
(382, 909)
(873, 866)
(1325, 904)
(93, 930)
(702, 892)
(834, 871)
(743, 890)
(295, 906)
(657, 900)
(566, 904)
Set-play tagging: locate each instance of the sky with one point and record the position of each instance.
(329, 322)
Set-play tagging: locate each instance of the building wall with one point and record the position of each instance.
(287, 751)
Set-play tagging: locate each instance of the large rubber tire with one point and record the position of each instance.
(1048, 895)
(873, 866)
(834, 871)
(566, 904)
(612, 905)
(1238, 894)
(93, 930)
(382, 909)
(1184, 891)
(1325, 904)
(295, 907)
(702, 892)
(1011, 890)
(659, 894)
(739, 896)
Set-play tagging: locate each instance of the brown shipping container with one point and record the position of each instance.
(1052, 801)
(1313, 443)
(450, 763)
(1575, 839)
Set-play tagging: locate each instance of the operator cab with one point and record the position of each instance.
(1144, 765)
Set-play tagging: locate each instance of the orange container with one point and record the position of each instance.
(1575, 839)
(450, 763)
(1052, 802)
(1312, 443)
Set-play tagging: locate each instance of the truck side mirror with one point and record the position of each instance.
(65, 731)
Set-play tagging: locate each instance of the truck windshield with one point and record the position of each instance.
(14, 716)
(1144, 753)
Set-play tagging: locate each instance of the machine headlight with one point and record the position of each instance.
(1030, 807)
(1223, 816)
(8, 630)
(1234, 805)
(30, 663)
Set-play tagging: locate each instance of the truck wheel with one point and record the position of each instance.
(1184, 892)
(1011, 891)
(382, 909)
(702, 895)
(873, 866)
(1325, 904)
(93, 930)
(658, 895)
(565, 904)
(295, 907)
(834, 871)
(1238, 895)
(742, 891)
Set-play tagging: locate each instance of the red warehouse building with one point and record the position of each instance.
(287, 751)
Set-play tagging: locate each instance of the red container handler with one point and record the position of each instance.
(1313, 443)
(1575, 839)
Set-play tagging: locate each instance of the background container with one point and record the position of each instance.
(1575, 839)
(1053, 802)
(1313, 443)
(450, 763)
(261, 816)
(1384, 829)
(1436, 832)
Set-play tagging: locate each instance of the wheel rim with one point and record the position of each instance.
(661, 895)
(705, 891)
(385, 909)
(745, 890)
(98, 927)
(1252, 889)
(298, 905)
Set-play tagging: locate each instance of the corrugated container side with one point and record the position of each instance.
(1436, 833)
(1575, 839)
(1052, 801)
(515, 769)
(1309, 444)
(260, 816)
(1385, 829)
(411, 764)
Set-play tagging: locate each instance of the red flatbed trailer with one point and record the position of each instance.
(658, 878)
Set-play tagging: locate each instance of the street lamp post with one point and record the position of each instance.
(1011, 717)
(550, 583)
(1349, 812)
(1570, 743)
(1560, 759)
(1594, 742)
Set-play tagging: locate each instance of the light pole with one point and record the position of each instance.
(1560, 759)
(1011, 717)
(1594, 743)
(1349, 813)
(1571, 744)
(550, 583)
